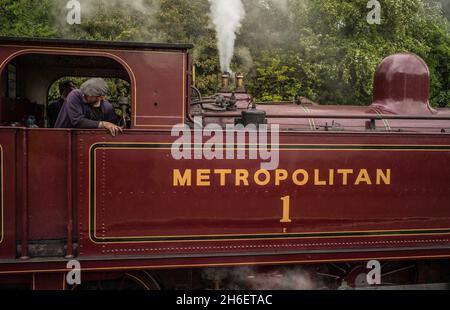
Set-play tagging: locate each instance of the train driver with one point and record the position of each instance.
(87, 108)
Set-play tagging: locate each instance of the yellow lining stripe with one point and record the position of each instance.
(148, 267)
(231, 235)
(2, 224)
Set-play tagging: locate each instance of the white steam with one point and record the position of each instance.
(89, 7)
(226, 16)
(293, 278)
(281, 5)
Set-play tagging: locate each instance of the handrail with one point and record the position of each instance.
(336, 116)
(69, 246)
(24, 211)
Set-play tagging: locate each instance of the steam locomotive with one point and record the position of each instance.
(352, 184)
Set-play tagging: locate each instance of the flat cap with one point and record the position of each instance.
(94, 87)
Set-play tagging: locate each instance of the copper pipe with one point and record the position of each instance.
(69, 246)
(225, 82)
(239, 82)
(25, 229)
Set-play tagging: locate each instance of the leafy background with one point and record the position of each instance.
(321, 49)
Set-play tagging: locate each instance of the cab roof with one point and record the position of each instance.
(93, 44)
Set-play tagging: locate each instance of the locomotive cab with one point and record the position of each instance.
(157, 75)
(26, 81)
(37, 159)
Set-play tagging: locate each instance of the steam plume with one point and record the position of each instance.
(226, 16)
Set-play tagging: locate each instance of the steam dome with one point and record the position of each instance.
(401, 86)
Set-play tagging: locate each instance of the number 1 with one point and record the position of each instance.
(286, 210)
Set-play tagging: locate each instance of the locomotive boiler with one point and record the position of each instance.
(337, 187)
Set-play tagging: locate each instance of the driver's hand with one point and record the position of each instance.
(113, 129)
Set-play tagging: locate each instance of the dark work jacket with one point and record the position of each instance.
(75, 113)
(53, 111)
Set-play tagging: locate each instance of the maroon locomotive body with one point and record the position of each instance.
(352, 183)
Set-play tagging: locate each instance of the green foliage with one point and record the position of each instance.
(344, 49)
(277, 77)
(185, 21)
(111, 21)
(30, 18)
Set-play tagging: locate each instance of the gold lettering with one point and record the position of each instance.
(203, 177)
(280, 175)
(345, 173)
(331, 178)
(242, 177)
(263, 177)
(286, 210)
(182, 180)
(222, 173)
(266, 180)
(296, 180)
(363, 177)
(317, 180)
(384, 177)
